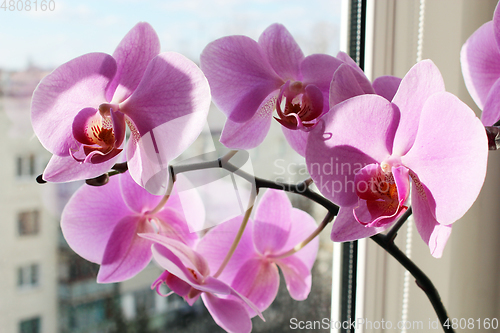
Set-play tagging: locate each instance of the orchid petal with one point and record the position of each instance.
(421, 81)
(363, 81)
(344, 85)
(435, 235)
(354, 144)
(230, 314)
(165, 118)
(318, 69)
(240, 76)
(303, 225)
(75, 85)
(386, 86)
(137, 198)
(491, 111)
(272, 222)
(133, 54)
(296, 139)
(251, 133)
(173, 225)
(444, 163)
(126, 254)
(217, 242)
(282, 51)
(258, 280)
(480, 60)
(89, 218)
(297, 277)
(66, 169)
(345, 228)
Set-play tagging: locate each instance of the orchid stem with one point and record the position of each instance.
(394, 231)
(329, 216)
(164, 200)
(237, 238)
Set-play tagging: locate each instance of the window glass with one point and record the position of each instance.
(43, 39)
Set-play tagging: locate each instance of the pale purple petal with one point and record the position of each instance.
(345, 228)
(421, 81)
(272, 222)
(75, 85)
(386, 86)
(491, 111)
(358, 73)
(173, 225)
(433, 234)
(165, 119)
(240, 76)
(303, 225)
(496, 24)
(282, 51)
(480, 60)
(135, 51)
(175, 256)
(338, 147)
(230, 314)
(449, 156)
(66, 169)
(217, 242)
(137, 198)
(250, 134)
(90, 217)
(344, 85)
(126, 253)
(258, 280)
(297, 139)
(297, 277)
(318, 69)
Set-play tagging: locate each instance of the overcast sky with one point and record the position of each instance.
(51, 38)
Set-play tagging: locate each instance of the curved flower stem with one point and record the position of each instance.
(394, 230)
(328, 218)
(420, 278)
(164, 200)
(238, 237)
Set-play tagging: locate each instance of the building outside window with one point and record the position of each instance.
(28, 276)
(31, 325)
(28, 222)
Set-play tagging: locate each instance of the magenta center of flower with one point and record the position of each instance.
(99, 133)
(299, 106)
(382, 190)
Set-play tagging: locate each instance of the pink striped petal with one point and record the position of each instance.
(452, 169)
(60, 96)
(239, 74)
(386, 86)
(339, 147)
(480, 60)
(90, 216)
(133, 54)
(491, 111)
(126, 253)
(297, 277)
(344, 85)
(421, 81)
(258, 280)
(230, 314)
(250, 134)
(66, 169)
(346, 228)
(272, 222)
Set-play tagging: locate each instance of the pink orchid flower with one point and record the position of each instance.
(101, 225)
(364, 163)
(480, 59)
(187, 274)
(80, 111)
(250, 79)
(253, 268)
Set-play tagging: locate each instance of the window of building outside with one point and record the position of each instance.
(32, 325)
(28, 276)
(28, 222)
(69, 299)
